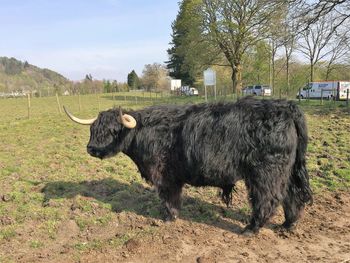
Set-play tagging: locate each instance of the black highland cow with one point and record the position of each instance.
(262, 142)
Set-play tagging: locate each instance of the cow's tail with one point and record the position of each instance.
(300, 177)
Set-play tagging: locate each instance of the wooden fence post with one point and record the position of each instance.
(98, 100)
(321, 96)
(28, 98)
(347, 98)
(79, 101)
(58, 104)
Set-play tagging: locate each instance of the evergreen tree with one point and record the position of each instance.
(133, 80)
(88, 77)
(176, 59)
(190, 53)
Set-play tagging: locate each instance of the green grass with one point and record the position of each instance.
(49, 178)
(329, 147)
(7, 233)
(36, 244)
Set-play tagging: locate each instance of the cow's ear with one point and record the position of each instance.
(118, 116)
(119, 120)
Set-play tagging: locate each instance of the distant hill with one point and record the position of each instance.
(18, 76)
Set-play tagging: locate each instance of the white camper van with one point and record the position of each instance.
(325, 89)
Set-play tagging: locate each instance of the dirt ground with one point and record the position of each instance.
(323, 235)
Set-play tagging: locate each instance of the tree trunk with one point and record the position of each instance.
(311, 71)
(328, 72)
(239, 79)
(287, 76)
(272, 66)
(236, 78)
(273, 74)
(233, 78)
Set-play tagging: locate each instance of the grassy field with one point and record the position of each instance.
(50, 188)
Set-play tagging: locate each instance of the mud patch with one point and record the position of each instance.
(322, 235)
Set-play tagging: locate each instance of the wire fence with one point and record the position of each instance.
(12, 109)
(30, 107)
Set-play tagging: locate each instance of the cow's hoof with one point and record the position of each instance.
(289, 226)
(170, 218)
(248, 233)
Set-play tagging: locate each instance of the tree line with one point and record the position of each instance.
(281, 43)
(17, 77)
(154, 78)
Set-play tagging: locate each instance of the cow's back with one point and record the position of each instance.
(222, 139)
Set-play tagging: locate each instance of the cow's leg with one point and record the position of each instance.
(293, 209)
(226, 194)
(265, 194)
(168, 187)
(171, 197)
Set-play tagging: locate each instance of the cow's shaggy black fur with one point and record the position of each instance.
(262, 142)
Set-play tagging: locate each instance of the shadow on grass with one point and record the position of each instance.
(144, 201)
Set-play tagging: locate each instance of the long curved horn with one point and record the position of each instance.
(77, 120)
(127, 120)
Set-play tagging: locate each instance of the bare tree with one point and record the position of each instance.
(323, 7)
(276, 40)
(314, 41)
(234, 26)
(339, 48)
(289, 35)
(308, 12)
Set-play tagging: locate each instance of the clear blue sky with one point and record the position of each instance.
(107, 38)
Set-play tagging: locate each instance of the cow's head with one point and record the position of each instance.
(107, 132)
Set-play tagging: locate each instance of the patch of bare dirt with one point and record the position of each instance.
(323, 235)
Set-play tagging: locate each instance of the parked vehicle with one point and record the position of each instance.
(193, 92)
(13, 94)
(188, 91)
(259, 90)
(325, 89)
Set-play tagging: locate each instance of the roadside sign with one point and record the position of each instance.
(209, 77)
(209, 80)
